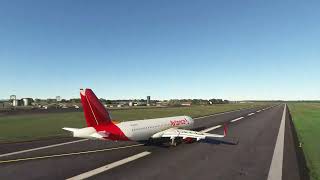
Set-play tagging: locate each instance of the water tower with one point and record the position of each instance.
(148, 100)
(13, 99)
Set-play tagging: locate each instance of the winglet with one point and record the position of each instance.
(225, 129)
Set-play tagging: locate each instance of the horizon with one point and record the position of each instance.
(166, 49)
(136, 99)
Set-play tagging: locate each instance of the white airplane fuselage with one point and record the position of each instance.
(140, 130)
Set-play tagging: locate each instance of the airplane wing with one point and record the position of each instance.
(182, 133)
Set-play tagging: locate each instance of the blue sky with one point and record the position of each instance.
(167, 49)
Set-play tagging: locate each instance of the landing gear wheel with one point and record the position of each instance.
(173, 142)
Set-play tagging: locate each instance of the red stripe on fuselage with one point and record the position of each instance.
(115, 133)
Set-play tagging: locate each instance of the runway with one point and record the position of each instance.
(256, 129)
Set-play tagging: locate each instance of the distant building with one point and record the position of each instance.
(27, 101)
(15, 102)
(4, 104)
(58, 98)
(186, 104)
(162, 103)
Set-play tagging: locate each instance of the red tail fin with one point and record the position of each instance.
(94, 111)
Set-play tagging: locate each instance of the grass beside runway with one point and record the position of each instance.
(36, 126)
(306, 118)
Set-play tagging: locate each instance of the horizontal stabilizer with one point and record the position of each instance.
(70, 129)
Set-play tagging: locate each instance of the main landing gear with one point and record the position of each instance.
(173, 142)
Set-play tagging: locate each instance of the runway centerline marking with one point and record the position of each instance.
(109, 166)
(201, 117)
(234, 120)
(43, 147)
(69, 154)
(250, 114)
(275, 171)
(210, 129)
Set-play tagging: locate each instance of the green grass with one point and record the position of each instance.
(34, 126)
(306, 118)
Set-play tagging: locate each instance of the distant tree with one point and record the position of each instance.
(214, 101)
(75, 100)
(103, 100)
(195, 101)
(49, 101)
(219, 101)
(174, 102)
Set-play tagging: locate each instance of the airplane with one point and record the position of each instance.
(100, 126)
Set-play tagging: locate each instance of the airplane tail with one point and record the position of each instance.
(94, 111)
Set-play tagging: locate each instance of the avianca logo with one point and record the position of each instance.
(179, 122)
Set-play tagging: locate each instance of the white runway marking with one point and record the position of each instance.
(69, 154)
(275, 171)
(250, 114)
(236, 119)
(43, 147)
(212, 128)
(109, 166)
(220, 113)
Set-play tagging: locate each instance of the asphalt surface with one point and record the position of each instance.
(249, 159)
